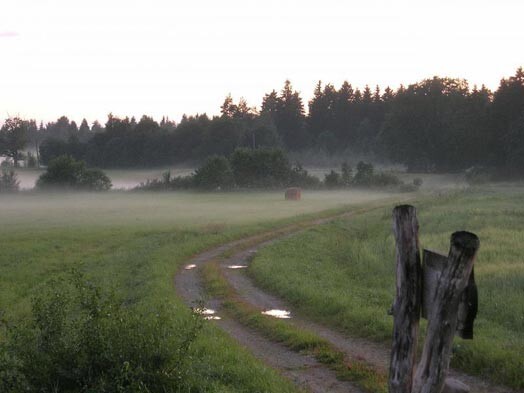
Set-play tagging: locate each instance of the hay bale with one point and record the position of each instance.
(293, 194)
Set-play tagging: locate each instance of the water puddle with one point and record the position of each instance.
(283, 314)
(208, 314)
(237, 266)
(189, 267)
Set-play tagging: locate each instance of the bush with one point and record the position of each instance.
(215, 174)
(81, 339)
(9, 180)
(66, 172)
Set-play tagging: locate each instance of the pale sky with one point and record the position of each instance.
(166, 58)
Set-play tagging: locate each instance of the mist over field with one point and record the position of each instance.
(216, 211)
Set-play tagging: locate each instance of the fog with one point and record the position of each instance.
(174, 209)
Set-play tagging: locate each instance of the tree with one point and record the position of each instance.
(508, 104)
(290, 120)
(13, 138)
(515, 146)
(84, 132)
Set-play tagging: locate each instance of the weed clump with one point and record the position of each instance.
(80, 339)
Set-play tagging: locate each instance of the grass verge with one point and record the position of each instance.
(342, 274)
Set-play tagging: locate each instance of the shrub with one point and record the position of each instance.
(9, 180)
(215, 174)
(81, 339)
(66, 172)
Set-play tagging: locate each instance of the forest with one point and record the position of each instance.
(435, 125)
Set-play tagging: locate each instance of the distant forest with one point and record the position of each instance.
(437, 125)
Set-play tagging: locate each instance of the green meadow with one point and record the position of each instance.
(133, 243)
(343, 273)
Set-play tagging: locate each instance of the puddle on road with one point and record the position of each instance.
(237, 266)
(283, 314)
(208, 314)
(189, 267)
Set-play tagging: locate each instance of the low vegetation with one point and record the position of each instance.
(66, 172)
(343, 274)
(245, 168)
(81, 338)
(269, 168)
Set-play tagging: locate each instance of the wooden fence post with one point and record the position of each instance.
(406, 309)
(442, 320)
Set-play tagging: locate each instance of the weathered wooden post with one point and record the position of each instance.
(407, 305)
(442, 318)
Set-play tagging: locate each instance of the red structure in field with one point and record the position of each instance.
(293, 194)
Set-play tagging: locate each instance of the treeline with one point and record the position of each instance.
(438, 124)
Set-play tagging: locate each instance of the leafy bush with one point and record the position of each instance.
(65, 171)
(215, 174)
(81, 339)
(9, 180)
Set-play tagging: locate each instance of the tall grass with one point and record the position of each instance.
(343, 274)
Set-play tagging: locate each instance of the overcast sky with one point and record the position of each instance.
(89, 58)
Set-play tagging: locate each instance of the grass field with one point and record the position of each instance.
(343, 274)
(134, 243)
